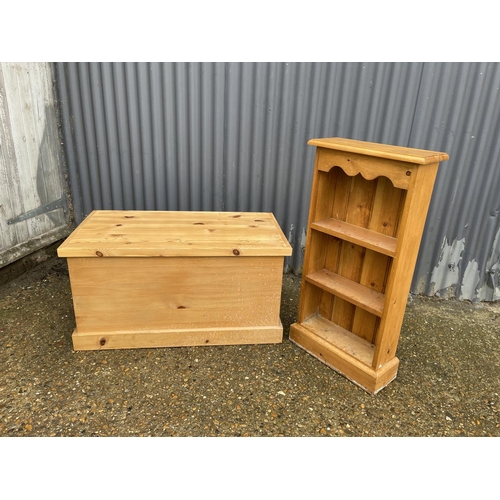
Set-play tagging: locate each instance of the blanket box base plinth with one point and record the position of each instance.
(177, 338)
(170, 279)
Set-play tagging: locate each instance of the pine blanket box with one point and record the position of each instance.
(142, 279)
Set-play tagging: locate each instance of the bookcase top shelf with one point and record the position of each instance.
(399, 153)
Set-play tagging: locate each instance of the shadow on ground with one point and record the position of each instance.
(448, 381)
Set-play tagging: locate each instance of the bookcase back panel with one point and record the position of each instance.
(372, 204)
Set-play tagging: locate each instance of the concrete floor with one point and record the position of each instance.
(448, 382)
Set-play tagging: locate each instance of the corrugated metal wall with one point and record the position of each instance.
(458, 111)
(32, 190)
(233, 136)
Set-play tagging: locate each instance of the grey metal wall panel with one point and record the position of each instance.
(458, 111)
(233, 136)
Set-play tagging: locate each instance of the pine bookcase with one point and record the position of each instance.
(368, 208)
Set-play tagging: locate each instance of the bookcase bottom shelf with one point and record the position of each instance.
(345, 352)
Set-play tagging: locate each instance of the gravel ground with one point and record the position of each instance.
(448, 382)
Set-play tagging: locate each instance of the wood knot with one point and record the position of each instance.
(102, 342)
(181, 307)
(408, 173)
(99, 254)
(236, 216)
(236, 251)
(198, 223)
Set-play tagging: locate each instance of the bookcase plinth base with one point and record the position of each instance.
(341, 361)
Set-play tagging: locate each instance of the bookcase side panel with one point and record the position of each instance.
(409, 236)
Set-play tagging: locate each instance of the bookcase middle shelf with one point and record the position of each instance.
(358, 235)
(349, 290)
